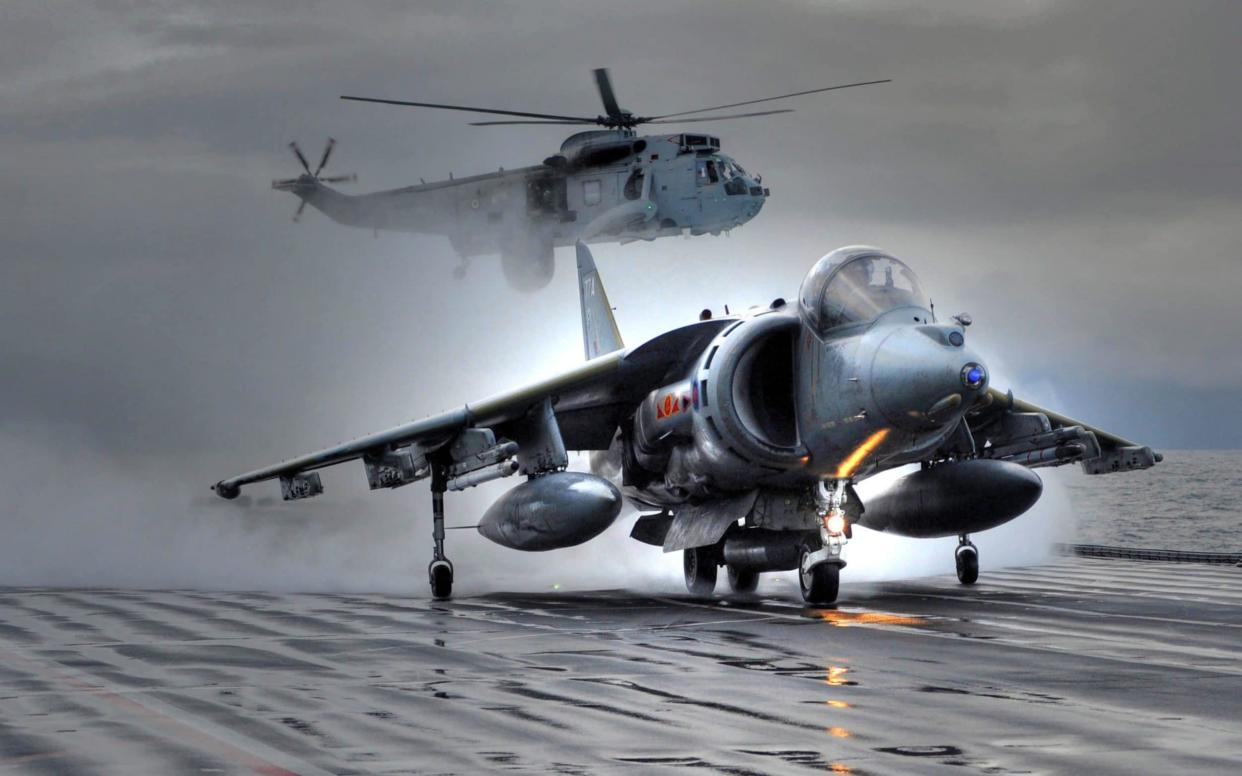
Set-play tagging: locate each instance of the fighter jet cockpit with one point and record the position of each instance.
(856, 285)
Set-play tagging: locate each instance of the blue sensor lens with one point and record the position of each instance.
(973, 375)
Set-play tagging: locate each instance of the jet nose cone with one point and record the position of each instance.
(921, 379)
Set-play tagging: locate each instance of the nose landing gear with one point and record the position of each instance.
(819, 583)
(967, 557)
(819, 570)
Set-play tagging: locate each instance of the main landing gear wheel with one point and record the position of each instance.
(699, 563)
(441, 575)
(967, 557)
(820, 584)
(743, 581)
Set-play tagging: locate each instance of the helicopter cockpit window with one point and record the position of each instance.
(734, 177)
(857, 289)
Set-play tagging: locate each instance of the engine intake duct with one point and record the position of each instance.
(762, 549)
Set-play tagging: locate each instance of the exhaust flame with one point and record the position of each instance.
(855, 459)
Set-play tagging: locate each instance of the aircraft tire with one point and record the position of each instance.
(441, 573)
(967, 558)
(699, 564)
(743, 581)
(820, 584)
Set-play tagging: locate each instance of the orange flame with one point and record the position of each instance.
(855, 459)
(845, 619)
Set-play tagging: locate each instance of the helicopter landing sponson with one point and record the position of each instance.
(606, 185)
(742, 437)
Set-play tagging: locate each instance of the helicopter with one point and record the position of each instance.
(603, 185)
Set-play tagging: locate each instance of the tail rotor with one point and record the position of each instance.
(305, 183)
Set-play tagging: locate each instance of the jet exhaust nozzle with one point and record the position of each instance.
(953, 498)
(556, 510)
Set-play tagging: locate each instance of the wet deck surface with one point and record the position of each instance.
(1084, 666)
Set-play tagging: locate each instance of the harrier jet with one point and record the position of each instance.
(740, 438)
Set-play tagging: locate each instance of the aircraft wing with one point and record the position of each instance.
(587, 401)
(1008, 428)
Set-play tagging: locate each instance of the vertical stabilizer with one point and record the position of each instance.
(599, 329)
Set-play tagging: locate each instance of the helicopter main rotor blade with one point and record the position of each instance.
(501, 123)
(714, 118)
(576, 119)
(604, 84)
(298, 215)
(769, 99)
(298, 153)
(351, 178)
(327, 151)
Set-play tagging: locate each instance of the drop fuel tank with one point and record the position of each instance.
(555, 510)
(953, 498)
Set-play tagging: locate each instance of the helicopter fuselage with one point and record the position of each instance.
(603, 186)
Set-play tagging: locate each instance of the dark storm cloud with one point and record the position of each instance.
(1068, 172)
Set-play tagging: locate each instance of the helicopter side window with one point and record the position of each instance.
(707, 172)
(591, 192)
(633, 185)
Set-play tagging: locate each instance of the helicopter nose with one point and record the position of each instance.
(924, 377)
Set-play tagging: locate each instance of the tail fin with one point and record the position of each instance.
(599, 329)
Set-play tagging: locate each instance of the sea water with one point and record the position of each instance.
(1190, 501)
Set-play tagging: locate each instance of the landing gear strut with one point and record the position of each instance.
(819, 570)
(967, 557)
(440, 572)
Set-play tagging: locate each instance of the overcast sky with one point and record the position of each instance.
(1066, 172)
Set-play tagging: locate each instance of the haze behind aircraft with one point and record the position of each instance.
(741, 437)
(608, 185)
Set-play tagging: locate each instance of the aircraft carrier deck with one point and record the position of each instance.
(1080, 666)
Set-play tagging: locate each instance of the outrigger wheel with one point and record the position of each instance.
(441, 574)
(699, 563)
(967, 557)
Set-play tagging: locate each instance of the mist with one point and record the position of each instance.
(1066, 174)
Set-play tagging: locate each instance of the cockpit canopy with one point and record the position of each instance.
(856, 285)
